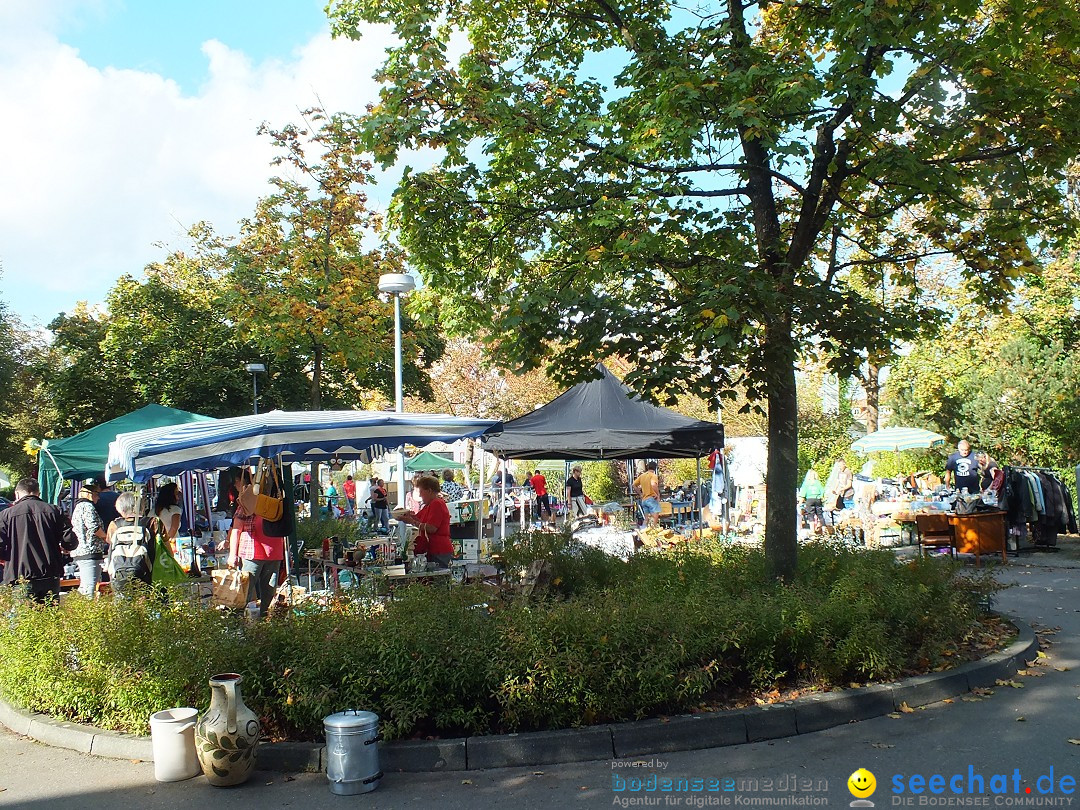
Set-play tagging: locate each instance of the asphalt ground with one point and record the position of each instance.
(1021, 733)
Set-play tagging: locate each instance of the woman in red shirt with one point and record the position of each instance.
(260, 556)
(433, 521)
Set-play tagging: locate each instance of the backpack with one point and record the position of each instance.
(129, 557)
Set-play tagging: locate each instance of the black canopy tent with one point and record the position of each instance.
(603, 419)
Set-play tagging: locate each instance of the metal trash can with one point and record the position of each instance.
(352, 752)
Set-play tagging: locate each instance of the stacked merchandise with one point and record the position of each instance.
(1037, 507)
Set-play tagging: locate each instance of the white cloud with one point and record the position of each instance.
(101, 164)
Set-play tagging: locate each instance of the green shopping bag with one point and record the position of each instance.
(167, 570)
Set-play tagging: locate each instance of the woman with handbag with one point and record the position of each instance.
(167, 510)
(257, 554)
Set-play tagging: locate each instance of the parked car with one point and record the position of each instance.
(4, 504)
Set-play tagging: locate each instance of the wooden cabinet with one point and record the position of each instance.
(980, 533)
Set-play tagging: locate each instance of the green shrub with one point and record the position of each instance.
(312, 531)
(609, 641)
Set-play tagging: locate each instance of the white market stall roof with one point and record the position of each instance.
(293, 435)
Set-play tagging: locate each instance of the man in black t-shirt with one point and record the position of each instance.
(962, 469)
(575, 495)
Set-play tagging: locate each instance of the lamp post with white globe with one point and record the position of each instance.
(397, 285)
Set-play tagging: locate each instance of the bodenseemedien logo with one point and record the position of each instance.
(862, 785)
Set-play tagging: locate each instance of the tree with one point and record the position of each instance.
(683, 211)
(179, 350)
(88, 386)
(304, 285)
(1009, 381)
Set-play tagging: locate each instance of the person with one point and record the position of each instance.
(451, 489)
(259, 555)
(90, 553)
(812, 493)
(837, 486)
(412, 498)
(349, 488)
(962, 469)
(380, 503)
(433, 521)
(497, 479)
(527, 480)
(331, 498)
(647, 487)
(33, 538)
(106, 502)
(132, 546)
(575, 495)
(988, 468)
(167, 510)
(543, 501)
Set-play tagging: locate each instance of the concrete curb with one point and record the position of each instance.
(681, 733)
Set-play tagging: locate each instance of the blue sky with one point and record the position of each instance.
(128, 122)
(166, 36)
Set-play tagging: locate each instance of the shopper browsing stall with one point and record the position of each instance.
(575, 495)
(962, 468)
(433, 522)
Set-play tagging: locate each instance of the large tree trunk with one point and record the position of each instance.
(872, 386)
(781, 540)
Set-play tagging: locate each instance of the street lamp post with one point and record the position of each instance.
(397, 285)
(254, 369)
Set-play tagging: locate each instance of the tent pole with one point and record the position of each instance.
(290, 507)
(700, 505)
(502, 502)
(480, 505)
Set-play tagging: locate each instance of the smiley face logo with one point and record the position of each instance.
(862, 784)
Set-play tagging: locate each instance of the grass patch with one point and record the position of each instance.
(608, 641)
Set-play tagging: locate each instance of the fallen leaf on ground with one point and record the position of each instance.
(981, 690)
(881, 745)
(905, 708)
(1062, 669)
(1021, 719)
(978, 700)
(290, 779)
(893, 715)
(948, 700)
(1074, 742)
(1013, 684)
(538, 773)
(466, 781)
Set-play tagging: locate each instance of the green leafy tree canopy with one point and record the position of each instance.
(682, 208)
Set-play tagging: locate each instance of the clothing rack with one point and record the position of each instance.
(1031, 547)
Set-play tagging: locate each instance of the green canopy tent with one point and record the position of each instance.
(430, 461)
(86, 454)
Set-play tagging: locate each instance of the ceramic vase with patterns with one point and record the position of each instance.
(227, 734)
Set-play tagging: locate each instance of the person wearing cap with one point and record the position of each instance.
(88, 528)
(575, 495)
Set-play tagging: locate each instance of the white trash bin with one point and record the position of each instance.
(172, 733)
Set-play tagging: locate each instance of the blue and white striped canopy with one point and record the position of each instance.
(293, 435)
(896, 439)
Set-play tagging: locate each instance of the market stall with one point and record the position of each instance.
(603, 419)
(85, 454)
(283, 437)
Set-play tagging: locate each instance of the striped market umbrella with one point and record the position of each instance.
(896, 439)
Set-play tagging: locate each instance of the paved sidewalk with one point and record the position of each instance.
(987, 734)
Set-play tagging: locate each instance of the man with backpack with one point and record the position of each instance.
(33, 537)
(132, 544)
